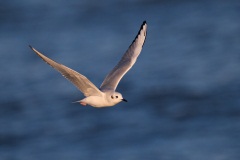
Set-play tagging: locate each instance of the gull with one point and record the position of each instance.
(105, 96)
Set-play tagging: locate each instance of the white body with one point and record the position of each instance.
(102, 101)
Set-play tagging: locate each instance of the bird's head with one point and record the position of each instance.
(117, 97)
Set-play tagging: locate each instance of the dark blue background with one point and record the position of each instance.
(183, 92)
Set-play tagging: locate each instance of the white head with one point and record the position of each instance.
(116, 97)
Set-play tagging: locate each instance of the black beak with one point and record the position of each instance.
(124, 100)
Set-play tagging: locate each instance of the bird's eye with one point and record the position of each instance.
(112, 97)
(116, 96)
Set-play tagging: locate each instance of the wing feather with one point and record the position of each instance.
(127, 61)
(79, 80)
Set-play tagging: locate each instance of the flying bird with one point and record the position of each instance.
(105, 96)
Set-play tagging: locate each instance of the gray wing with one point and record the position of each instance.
(80, 81)
(129, 58)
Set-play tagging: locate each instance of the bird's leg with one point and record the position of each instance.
(83, 103)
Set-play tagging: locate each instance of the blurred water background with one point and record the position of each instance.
(183, 92)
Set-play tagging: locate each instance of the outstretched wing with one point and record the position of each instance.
(127, 61)
(80, 81)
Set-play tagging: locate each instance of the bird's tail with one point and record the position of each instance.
(77, 101)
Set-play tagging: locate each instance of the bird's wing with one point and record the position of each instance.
(80, 81)
(129, 58)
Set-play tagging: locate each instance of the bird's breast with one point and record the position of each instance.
(97, 101)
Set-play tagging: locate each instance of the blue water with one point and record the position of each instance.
(183, 92)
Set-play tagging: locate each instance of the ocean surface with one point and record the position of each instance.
(183, 92)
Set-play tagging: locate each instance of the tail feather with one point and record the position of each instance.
(77, 101)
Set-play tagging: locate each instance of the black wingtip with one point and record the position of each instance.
(30, 46)
(144, 23)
